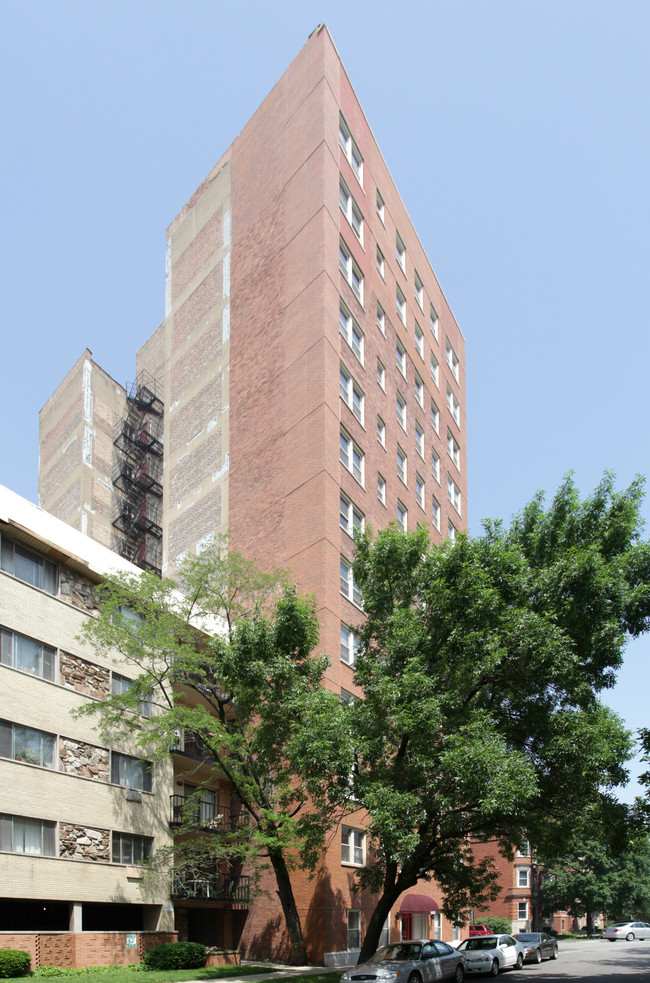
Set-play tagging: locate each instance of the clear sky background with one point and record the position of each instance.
(516, 131)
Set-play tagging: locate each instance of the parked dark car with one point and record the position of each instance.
(538, 946)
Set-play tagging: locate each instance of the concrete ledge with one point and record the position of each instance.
(348, 957)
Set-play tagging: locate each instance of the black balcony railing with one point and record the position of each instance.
(208, 815)
(192, 744)
(213, 887)
(134, 440)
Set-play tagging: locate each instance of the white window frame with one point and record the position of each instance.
(435, 370)
(381, 432)
(347, 585)
(400, 252)
(350, 330)
(349, 645)
(522, 911)
(420, 490)
(353, 846)
(350, 209)
(381, 210)
(419, 389)
(402, 465)
(381, 488)
(400, 304)
(351, 456)
(27, 654)
(453, 449)
(454, 495)
(381, 319)
(381, 374)
(353, 938)
(351, 518)
(433, 321)
(435, 416)
(452, 360)
(351, 150)
(523, 876)
(435, 513)
(28, 836)
(453, 405)
(419, 340)
(402, 516)
(351, 392)
(28, 745)
(419, 290)
(419, 440)
(435, 464)
(451, 531)
(381, 264)
(351, 270)
(400, 357)
(400, 406)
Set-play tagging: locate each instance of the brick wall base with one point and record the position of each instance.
(76, 950)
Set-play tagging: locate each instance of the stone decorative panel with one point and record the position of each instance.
(77, 590)
(84, 843)
(85, 760)
(83, 676)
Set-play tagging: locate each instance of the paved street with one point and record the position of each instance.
(584, 962)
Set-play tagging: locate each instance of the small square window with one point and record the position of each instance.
(435, 514)
(381, 489)
(402, 465)
(419, 490)
(402, 517)
(419, 340)
(381, 318)
(381, 431)
(401, 411)
(400, 302)
(400, 357)
(381, 374)
(400, 252)
(381, 266)
(380, 207)
(419, 440)
(435, 370)
(433, 321)
(419, 291)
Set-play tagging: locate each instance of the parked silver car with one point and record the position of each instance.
(627, 930)
(491, 953)
(538, 946)
(419, 961)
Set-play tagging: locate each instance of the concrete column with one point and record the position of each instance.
(75, 916)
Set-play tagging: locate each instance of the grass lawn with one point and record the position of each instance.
(176, 975)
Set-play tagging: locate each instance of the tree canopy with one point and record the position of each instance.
(226, 656)
(481, 664)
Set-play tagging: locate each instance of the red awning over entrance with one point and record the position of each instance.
(417, 903)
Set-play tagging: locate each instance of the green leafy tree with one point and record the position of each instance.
(480, 667)
(592, 877)
(227, 654)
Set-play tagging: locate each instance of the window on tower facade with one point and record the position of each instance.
(381, 431)
(400, 252)
(452, 360)
(381, 374)
(351, 271)
(380, 207)
(351, 331)
(402, 517)
(351, 210)
(381, 318)
(435, 465)
(435, 417)
(400, 303)
(381, 266)
(419, 291)
(349, 588)
(419, 390)
(353, 846)
(433, 321)
(419, 440)
(435, 370)
(400, 357)
(453, 449)
(419, 340)
(402, 465)
(349, 645)
(351, 456)
(435, 514)
(419, 490)
(381, 489)
(453, 405)
(351, 393)
(400, 403)
(453, 494)
(350, 149)
(351, 517)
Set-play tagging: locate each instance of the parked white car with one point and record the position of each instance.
(627, 930)
(491, 953)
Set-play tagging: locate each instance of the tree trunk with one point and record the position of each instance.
(590, 923)
(297, 950)
(376, 923)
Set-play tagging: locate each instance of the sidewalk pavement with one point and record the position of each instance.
(282, 971)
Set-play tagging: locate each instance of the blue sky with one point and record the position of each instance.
(517, 133)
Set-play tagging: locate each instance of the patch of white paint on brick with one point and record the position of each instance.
(69, 444)
(182, 457)
(197, 434)
(84, 523)
(86, 389)
(226, 275)
(88, 508)
(205, 543)
(226, 228)
(213, 422)
(222, 470)
(225, 323)
(87, 454)
(188, 506)
(105, 483)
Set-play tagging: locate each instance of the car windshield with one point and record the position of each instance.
(402, 952)
(482, 942)
(531, 937)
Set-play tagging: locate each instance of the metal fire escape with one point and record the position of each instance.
(137, 476)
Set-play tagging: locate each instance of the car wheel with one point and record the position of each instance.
(520, 960)
(415, 978)
(459, 975)
(538, 955)
(629, 937)
(554, 953)
(494, 968)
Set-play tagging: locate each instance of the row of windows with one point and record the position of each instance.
(38, 837)
(34, 657)
(37, 747)
(28, 566)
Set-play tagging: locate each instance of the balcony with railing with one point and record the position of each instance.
(206, 815)
(137, 479)
(211, 887)
(143, 438)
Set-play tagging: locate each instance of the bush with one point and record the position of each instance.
(14, 962)
(175, 955)
(500, 926)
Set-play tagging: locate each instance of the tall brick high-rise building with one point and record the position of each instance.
(311, 378)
